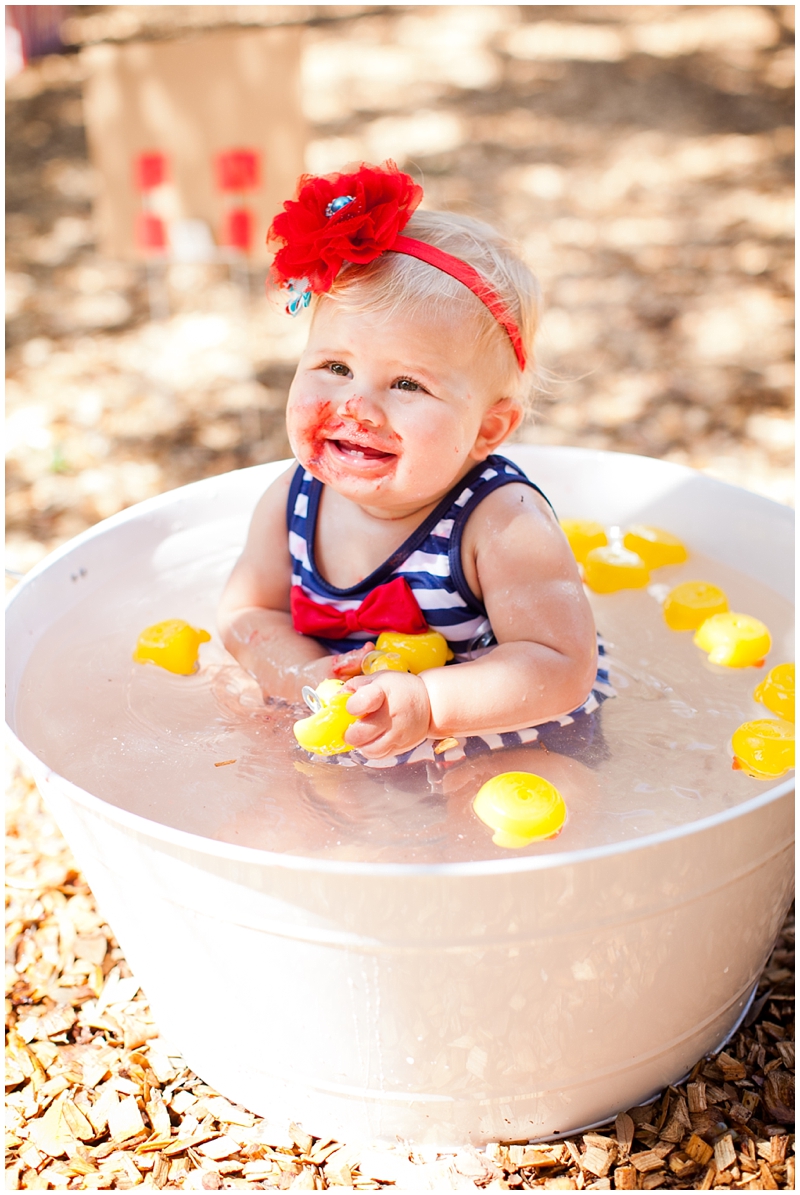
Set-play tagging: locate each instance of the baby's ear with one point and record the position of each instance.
(502, 418)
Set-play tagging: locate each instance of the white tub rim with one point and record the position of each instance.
(149, 505)
(198, 844)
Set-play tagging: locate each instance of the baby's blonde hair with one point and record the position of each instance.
(396, 281)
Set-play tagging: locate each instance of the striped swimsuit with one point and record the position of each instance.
(430, 561)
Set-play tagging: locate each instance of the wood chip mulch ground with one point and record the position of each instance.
(96, 1099)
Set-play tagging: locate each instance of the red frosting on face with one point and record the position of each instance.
(315, 245)
(316, 425)
(311, 431)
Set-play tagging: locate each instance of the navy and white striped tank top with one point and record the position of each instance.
(429, 560)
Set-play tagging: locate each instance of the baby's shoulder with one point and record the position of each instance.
(277, 492)
(269, 515)
(511, 536)
(515, 502)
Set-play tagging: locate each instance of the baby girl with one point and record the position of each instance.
(399, 515)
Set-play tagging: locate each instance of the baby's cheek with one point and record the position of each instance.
(436, 457)
(305, 423)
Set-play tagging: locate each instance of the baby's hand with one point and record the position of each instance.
(394, 713)
(313, 673)
(348, 664)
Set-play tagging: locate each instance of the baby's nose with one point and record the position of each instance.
(363, 409)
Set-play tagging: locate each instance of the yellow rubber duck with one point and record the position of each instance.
(322, 733)
(776, 691)
(416, 652)
(583, 535)
(688, 605)
(382, 661)
(521, 808)
(172, 645)
(656, 547)
(614, 567)
(734, 640)
(764, 749)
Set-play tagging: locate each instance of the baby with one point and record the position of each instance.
(399, 514)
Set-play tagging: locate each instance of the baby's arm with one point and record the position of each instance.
(516, 558)
(254, 618)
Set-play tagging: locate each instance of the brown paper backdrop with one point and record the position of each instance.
(191, 99)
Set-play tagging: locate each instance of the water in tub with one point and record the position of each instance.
(203, 753)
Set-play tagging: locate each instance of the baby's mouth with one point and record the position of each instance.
(361, 451)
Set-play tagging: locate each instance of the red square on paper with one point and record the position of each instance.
(150, 170)
(151, 234)
(237, 170)
(239, 224)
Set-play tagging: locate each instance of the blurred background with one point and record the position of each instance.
(641, 155)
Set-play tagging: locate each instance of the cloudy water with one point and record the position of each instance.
(204, 754)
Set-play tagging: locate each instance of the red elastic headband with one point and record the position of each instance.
(356, 218)
(470, 277)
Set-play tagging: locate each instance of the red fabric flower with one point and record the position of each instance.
(315, 245)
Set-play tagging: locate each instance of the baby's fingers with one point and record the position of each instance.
(367, 699)
(363, 733)
(348, 665)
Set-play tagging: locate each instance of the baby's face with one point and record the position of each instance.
(391, 412)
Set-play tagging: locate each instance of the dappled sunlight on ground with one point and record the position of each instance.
(641, 155)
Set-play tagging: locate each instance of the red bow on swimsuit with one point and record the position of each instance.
(390, 607)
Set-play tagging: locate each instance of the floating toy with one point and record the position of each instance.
(322, 732)
(521, 808)
(172, 645)
(776, 691)
(382, 661)
(583, 535)
(610, 568)
(688, 605)
(416, 652)
(656, 547)
(765, 748)
(734, 640)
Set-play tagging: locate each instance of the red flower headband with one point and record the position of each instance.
(355, 218)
